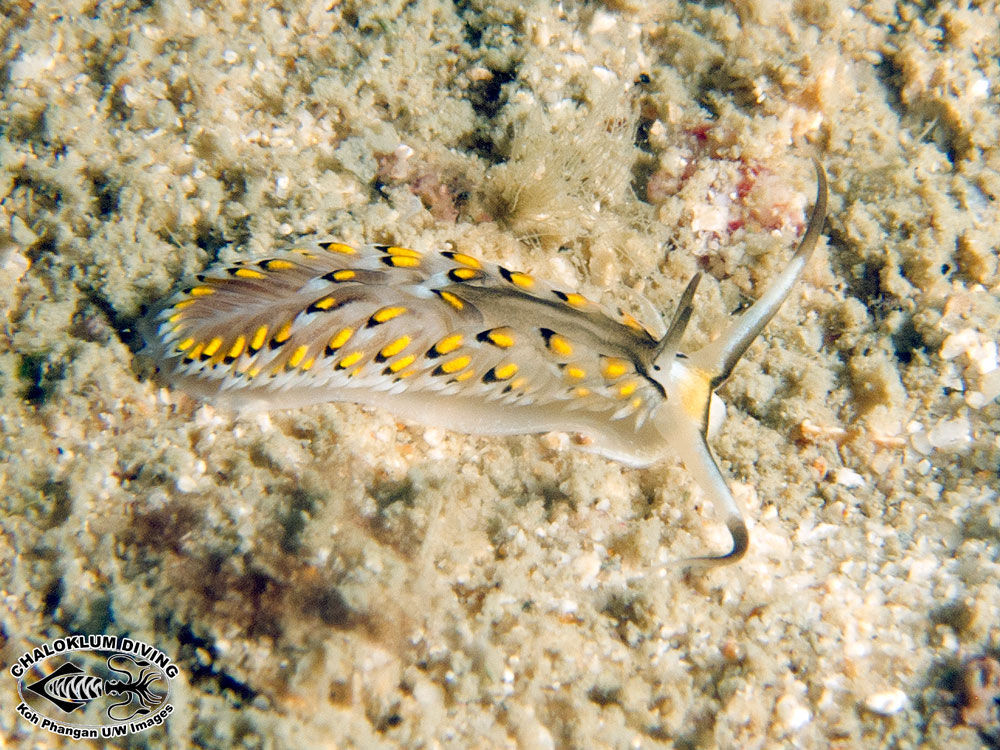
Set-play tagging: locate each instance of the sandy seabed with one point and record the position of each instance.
(331, 577)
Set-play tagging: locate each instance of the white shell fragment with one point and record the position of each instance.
(886, 702)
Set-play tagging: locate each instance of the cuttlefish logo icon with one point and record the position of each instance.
(94, 686)
(70, 688)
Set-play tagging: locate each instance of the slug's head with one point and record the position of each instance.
(689, 382)
(688, 387)
(692, 390)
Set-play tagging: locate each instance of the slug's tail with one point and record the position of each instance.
(691, 386)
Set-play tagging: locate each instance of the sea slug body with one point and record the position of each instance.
(448, 340)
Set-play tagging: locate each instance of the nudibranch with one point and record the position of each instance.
(445, 339)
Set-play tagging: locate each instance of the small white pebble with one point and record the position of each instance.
(920, 443)
(479, 73)
(28, 67)
(557, 441)
(949, 641)
(433, 436)
(709, 218)
(979, 350)
(603, 22)
(848, 478)
(986, 357)
(263, 422)
(186, 484)
(21, 232)
(980, 88)
(886, 703)
(13, 265)
(989, 390)
(230, 56)
(957, 343)
(950, 434)
(207, 416)
(605, 75)
(281, 183)
(157, 499)
(792, 715)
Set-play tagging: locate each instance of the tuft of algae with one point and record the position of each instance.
(561, 179)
